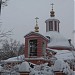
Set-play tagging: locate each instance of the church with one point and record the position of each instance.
(40, 48)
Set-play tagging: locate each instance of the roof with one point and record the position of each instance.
(64, 54)
(60, 65)
(35, 33)
(24, 67)
(56, 39)
(15, 59)
(51, 19)
(1, 68)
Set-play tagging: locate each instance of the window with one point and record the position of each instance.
(50, 25)
(58, 27)
(55, 23)
(33, 47)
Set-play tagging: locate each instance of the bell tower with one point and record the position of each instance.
(52, 24)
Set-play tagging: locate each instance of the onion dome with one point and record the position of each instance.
(52, 13)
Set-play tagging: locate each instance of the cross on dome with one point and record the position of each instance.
(52, 12)
(36, 27)
(36, 19)
(52, 6)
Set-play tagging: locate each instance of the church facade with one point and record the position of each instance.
(37, 46)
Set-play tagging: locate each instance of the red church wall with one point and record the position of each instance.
(39, 46)
(26, 48)
(59, 73)
(60, 48)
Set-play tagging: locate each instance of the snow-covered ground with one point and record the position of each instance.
(42, 69)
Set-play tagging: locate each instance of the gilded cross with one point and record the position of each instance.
(36, 19)
(52, 6)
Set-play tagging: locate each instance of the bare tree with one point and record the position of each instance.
(21, 49)
(4, 34)
(11, 45)
(10, 48)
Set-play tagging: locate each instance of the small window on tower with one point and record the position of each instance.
(55, 25)
(50, 25)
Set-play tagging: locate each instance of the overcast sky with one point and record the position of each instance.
(20, 16)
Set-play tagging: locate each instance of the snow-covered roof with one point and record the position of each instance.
(24, 67)
(56, 39)
(64, 54)
(36, 33)
(18, 58)
(37, 58)
(74, 72)
(60, 65)
(1, 68)
(51, 19)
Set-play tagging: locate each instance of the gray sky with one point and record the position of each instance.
(20, 15)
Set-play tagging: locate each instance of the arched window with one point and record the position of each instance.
(33, 47)
(50, 25)
(55, 23)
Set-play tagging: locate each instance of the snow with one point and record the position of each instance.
(56, 39)
(18, 58)
(24, 67)
(41, 69)
(58, 65)
(37, 58)
(64, 55)
(74, 72)
(1, 68)
(62, 66)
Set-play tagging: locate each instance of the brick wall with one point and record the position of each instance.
(24, 73)
(59, 73)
